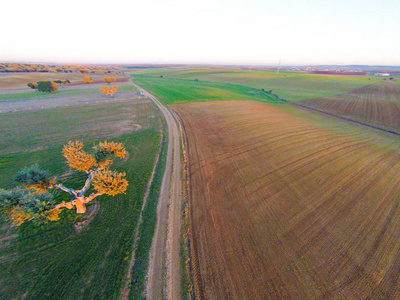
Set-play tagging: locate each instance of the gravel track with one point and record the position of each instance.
(164, 274)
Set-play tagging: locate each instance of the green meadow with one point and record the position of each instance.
(54, 261)
(174, 91)
(292, 86)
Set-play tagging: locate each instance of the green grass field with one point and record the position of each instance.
(55, 262)
(293, 86)
(174, 91)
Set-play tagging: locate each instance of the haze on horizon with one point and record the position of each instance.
(203, 32)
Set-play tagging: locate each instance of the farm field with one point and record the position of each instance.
(283, 208)
(293, 86)
(172, 91)
(56, 262)
(376, 104)
(69, 96)
(11, 81)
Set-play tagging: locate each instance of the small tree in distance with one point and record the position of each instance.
(87, 79)
(108, 91)
(46, 86)
(32, 85)
(109, 79)
(35, 201)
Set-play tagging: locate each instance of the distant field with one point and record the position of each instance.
(55, 262)
(171, 91)
(281, 208)
(376, 104)
(59, 93)
(293, 86)
(20, 80)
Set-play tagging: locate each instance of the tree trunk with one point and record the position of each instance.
(80, 205)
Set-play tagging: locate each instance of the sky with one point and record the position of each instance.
(246, 32)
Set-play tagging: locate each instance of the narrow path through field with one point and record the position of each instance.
(164, 275)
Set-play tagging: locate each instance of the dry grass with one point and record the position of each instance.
(282, 209)
(376, 104)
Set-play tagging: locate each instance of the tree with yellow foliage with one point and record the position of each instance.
(34, 201)
(87, 79)
(109, 79)
(108, 91)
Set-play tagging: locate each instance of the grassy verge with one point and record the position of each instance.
(54, 262)
(147, 228)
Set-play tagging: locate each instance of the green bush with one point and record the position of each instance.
(45, 86)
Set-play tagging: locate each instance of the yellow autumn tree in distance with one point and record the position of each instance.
(34, 200)
(108, 91)
(109, 79)
(87, 79)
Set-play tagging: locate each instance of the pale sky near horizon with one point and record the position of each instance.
(260, 32)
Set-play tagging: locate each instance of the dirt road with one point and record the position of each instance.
(164, 275)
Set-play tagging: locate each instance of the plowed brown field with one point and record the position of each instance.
(376, 104)
(282, 209)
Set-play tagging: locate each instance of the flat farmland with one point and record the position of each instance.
(67, 96)
(55, 261)
(10, 81)
(172, 91)
(376, 104)
(281, 208)
(293, 86)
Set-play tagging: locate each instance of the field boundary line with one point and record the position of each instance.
(190, 262)
(344, 118)
(337, 116)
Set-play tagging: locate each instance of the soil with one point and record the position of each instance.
(280, 209)
(87, 218)
(374, 105)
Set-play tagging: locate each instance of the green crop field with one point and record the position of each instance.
(55, 262)
(173, 91)
(293, 86)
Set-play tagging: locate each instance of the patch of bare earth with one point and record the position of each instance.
(87, 218)
(280, 209)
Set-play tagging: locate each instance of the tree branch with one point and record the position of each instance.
(68, 205)
(87, 183)
(65, 189)
(91, 197)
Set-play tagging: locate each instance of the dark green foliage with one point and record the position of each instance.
(102, 155)
(57, 81)
(34, 176)
(44, 86)
(31, 85)
(11, 198)
(38, 205)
